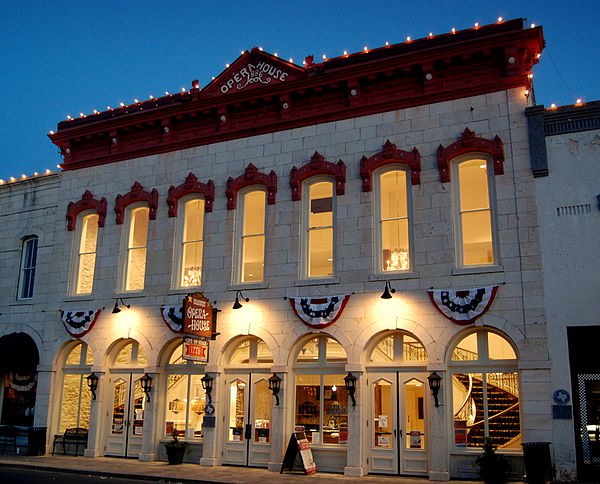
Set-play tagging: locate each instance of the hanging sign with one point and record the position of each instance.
(173, 317)
(198, 316)
(319, 312)
(195, 350)
(79, 323)
(298, 446)
(463, 306)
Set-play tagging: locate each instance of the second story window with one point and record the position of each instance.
(27, 270)
(251, 236)
(137, 240)
(318, 228)
(85, 256)
(191, 247)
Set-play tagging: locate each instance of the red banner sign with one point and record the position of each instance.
(198, 316)
(195, 350)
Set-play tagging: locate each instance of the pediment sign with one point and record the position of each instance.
(253, 69)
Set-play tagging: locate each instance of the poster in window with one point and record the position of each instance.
(415, 439)
(460, 437)
(343, 434)
(383, 441)
(383, 421)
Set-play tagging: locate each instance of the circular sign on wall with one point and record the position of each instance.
(561, 397)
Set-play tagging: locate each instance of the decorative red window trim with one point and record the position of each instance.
(191, 185)
(87, 202)
(250, 177)
(318, 166)
(469, 143)
(137, 194)
(390, 154)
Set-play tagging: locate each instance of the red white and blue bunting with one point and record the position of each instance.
(79, 323)
(22, 382)
(319, 312)
(463, 306)
(173, 317)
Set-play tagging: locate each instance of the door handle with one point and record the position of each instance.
(248, 432)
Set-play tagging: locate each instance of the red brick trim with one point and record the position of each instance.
(318, 166)
(87, 202)
(469, 143)
(137, 194)
(251, 176)
(390, 154)
(191, 185)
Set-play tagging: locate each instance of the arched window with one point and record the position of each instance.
(318, 231)
(485, 391)
(321, 408)
(250, 235)
(250, 351)
(27, 267)
(84, 253)
(76, 396)
(134, 263)
(398, 347)
(186, 398)
(190, 246)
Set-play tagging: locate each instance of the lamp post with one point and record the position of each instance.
(350, 381)
(146, 382)
(435, 381)
(207, 385)
(92, 381)
(275, 386)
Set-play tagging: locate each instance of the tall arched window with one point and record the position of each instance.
(84, 260)
(321, 408)
(76, 396)
(250, 231)
(485, 391)
(135, 248)
(190, 243)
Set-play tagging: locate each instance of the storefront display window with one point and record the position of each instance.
(76, 397)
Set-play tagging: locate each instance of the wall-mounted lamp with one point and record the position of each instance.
(275, 386)
(434, 385)
(388, 291)
(146, 382)
(207, 385)
(117, 309)
(92, 381)
(237, 304)
(350, 381)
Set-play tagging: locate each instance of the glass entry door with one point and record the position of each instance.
(247, 420)
(126, 416)
(397, 423)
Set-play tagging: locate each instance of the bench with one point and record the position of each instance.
(8, 438)
(73, 437)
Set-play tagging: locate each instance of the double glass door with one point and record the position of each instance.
(397, 423)
(247, 420)
(126, 417)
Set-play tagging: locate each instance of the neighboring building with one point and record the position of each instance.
(308, 190)
(566, 158)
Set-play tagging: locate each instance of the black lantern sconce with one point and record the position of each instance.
(237, 304)
(275, 386)
(116, 309)
(146, 382)
(388, 291)
(350, 381)
(92, 381)
(207, 385)
(434, 385)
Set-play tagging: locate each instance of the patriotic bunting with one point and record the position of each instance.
(173, 317)
(79, 323)
(463, 306)
(22, 383)
(319, 312)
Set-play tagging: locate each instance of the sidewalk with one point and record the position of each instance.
(189, 473)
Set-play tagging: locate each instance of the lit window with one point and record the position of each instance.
(398, 347)
(135, 264)
(27, 272)
(76, 396)
(251, 236)
(318, 228)
(251, 350)
(392, 232)
(85, 260)
(474, 222)
(192, 244)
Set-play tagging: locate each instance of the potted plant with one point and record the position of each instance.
(175, 450)
(493, 468)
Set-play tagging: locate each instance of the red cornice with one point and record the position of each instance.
(137, 194)
(472, 62)
(87, 202)
(318, 166)
(191, 185)
(251, 176)
(390, 154)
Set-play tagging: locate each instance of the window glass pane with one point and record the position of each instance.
(124, 356)
(473, 185)
(89, 233)
(503, 410)
(254, 212)
(320, 252)
(384, 351)
(118, 413)
(321, 204)
(383, 415)
(308, 406)
(28, 263)
(196, 410)
(499, 348)
(335, 351)
(136, 269)
(175, 413)
(335, 410)
(241, 353)
(194, 220)
(414, 416)
(466, 349)
(253, 253)
(139, 227)
(395, 245)
(176, 357)
(69, 416)
(310, 351)
(131, 354)
(74, 356)
(237, 390)
(262, 412)
(139, 402)
(393, 195)
(477, 238)
(192, 264)
(85, 273)
(263, 353)
(89, 359)
(467, 399)
(413, 350)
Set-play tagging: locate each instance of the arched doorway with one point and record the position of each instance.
(397, 424)
(127, 400)
(19, 359)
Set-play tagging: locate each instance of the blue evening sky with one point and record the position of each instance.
(66, 57)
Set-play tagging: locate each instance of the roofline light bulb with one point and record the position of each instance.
(579, 101)
(408, 38)
(430, 34)
(345, 52)
(387, 43)
(324, 56)
(476, 24)
(533, 26)
(552, 105)
(276, 54)
(291, 60)
(365, 48)
(122, 104)
(151, 96)
(453, 30)
(500, 19)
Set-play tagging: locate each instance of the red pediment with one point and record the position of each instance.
(251, 70)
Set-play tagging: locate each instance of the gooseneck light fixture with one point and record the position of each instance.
(116, 309)
(435, 381)
(350, 381)
(207, 385)
(237, 304)
(275, 386)
(92, 381)
(388, 291)
(146, 382)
